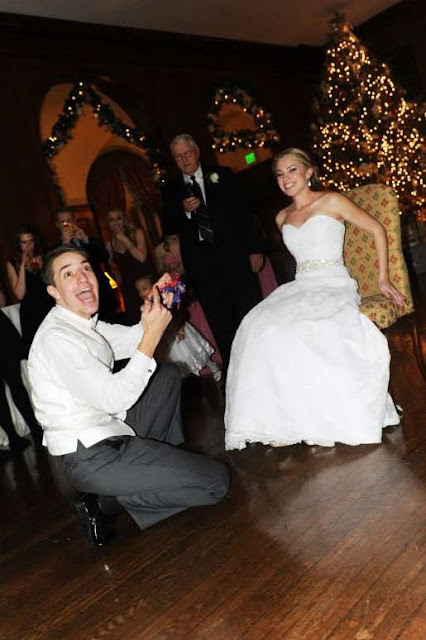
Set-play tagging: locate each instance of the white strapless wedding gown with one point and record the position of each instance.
(306, 365)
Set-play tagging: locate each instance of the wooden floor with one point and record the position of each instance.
(311, 544)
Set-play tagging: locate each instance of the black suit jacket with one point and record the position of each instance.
(237, 233)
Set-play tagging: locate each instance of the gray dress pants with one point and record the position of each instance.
(149, 476)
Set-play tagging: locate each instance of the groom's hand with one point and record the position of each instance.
(166, 298)
(155, 320)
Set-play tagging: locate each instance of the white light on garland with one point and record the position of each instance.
(81, 94)
(265, 135)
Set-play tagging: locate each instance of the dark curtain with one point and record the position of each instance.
(141, 184)
(140, 180)
(105, 189)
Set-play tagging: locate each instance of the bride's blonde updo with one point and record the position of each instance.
(305, 160)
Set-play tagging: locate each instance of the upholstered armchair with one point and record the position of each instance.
(360, 258)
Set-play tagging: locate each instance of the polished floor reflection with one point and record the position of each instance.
(311, 543)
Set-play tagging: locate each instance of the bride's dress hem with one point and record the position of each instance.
(236, 444)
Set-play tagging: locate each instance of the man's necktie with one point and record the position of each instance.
(202, 217)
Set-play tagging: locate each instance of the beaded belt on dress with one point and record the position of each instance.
(310, 265)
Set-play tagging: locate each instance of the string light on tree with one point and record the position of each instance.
(367, 131)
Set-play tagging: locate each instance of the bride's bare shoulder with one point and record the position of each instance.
(331, 197)
(280, 218)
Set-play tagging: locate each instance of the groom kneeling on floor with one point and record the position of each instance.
(115, 432)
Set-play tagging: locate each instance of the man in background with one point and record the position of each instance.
(220, 242)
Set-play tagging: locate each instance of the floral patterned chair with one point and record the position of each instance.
(360, 258)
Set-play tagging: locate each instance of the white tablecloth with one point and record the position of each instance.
(21, 427)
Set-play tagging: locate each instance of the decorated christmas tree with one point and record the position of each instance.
(366, 129)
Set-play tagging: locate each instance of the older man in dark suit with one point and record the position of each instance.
(220, 243)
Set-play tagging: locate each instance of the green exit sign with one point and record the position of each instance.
(250, 157)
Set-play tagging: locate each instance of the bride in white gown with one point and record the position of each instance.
(306, 365)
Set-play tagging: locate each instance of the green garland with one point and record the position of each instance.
(81, 94)
(265, 135)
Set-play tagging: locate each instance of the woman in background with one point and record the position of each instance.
(24, 276)
(128, 251)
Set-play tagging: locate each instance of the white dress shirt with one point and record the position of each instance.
(75, 394)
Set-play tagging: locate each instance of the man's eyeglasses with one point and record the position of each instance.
(184, 156)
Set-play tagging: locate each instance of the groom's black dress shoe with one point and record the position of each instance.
(96, 526)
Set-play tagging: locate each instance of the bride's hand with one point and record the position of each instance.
(389, 291)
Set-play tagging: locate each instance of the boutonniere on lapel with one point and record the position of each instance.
(213, 178)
